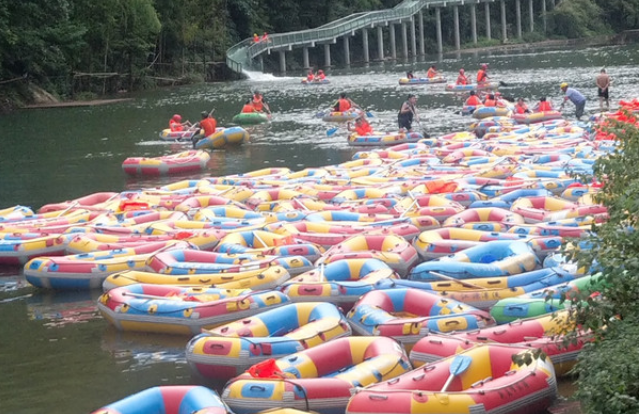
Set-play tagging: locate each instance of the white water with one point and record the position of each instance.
(264, 77)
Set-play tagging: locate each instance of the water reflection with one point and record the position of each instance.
(58, 309)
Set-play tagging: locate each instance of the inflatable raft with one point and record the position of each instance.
(315, 82)
(170, 399)
(250, 118)
(535, 117)
(422, 81)
(321, 379)
(487, 381)
(228, 350)
(341, 116)
(377, 139)
(185, 135)
(172, 309)
(451, 87)
(223, 137)
(187, 161)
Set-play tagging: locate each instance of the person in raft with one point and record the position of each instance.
(482, 74)
(409, 75)
(574, 96)
(310, 77)
(543, 105)
(362, 127)
(432, 72)
(603, 84)
(407, 113)
(248, 107)
(320, 75)
(521, 107)
(176, 124)
(207, 125)
(473, 100)
(461, 78)
(344, 104)
(490, 100)
(259, 103)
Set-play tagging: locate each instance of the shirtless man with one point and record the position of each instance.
(603, 83)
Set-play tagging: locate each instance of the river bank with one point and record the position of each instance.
(28, 95)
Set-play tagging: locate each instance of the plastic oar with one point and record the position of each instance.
(458, 366)
(331, 131)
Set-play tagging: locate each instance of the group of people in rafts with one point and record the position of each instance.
(431, 73)
(256, 103)
(495, 100)
(315, 77)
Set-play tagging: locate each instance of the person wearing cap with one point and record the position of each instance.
(473, 100)
(482, 75)
(407, 113)
(462, 79)
(256, 38)
(574, 96)
(432, 72)
(176, 124)
(603, 83)
(362, 127)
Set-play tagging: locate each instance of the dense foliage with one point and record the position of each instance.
(72, 46)
(608, 371)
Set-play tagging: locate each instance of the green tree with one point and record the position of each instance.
(577, 18)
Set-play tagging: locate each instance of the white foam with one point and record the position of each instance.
(264, 77)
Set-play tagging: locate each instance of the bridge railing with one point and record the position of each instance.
(240, 55)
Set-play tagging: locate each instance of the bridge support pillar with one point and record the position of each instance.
(405, 40)
(422, 45)
(282, 60)
(260, 61)
(413, 37)
(393, 43)
(347, 51)
(456, 24)
(518, 17)
(487, 12)
(327, 55)
(438, 27)
(473, 22)
(531, 15)
(365, 45)
(307, 64)
(504, 28)
(380, 43)
(543, 13)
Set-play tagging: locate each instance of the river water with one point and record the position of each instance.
(56, 352)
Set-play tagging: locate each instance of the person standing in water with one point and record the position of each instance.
(603, 85)
(407, 113)
(574, 96)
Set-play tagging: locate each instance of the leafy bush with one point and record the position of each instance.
(576, 18)
(609, 368)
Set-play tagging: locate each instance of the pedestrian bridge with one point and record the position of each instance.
(242, 56)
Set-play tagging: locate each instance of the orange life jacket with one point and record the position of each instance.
(310, 77)
(363, 129)
(258, 104)
(544, 106)
(490, 102)
(473, 101)
(256, 38)
(343, 105)
(248, 108)
(462, 80)
(321, 76)
(431, 73)
(175, 126)
(481, 76)
(208, 125)
(521, 109)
